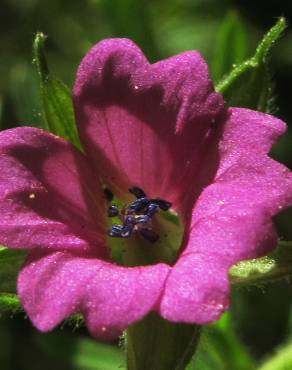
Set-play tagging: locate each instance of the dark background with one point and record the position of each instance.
(261, 316)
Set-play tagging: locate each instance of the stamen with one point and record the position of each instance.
(127, 231)
(163, 204)
(108, 194)
(152, 209)
(139, 193)
(113, 211)
(139, 219)
(137, 216)
(138, 205)
(121, 231)
(115, 231)
(150, 235)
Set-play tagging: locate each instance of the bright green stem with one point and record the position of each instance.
(157, 344)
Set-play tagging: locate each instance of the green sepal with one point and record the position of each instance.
(231, 46)
(277, 265)
(155, 343)
(10, 263)
(56, 97)
(248, 84)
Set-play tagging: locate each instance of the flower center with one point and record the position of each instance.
(137, 216)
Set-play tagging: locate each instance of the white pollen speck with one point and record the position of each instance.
(136, 87)
(220, 203)
(31, 196)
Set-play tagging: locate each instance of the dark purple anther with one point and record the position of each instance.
(113, 211)
(116, 231)
(135, 220)
(108, 194)
(121, 231)
(142, 219)
(150, 235)
(139, 193)
(152, 209)
(138, 205)
(129, 220)
(137, 216)
(162, 204)
(127, 231)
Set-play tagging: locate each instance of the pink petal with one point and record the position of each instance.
(49, 196)
(52, 287)
(231, 220)
(145, 125)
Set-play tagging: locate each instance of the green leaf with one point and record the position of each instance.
(231, 46)
(10, 263)
(261, 270)
(56, 97)
(248, 84)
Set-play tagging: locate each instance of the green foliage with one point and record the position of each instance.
(9, 303)
(56, 97)
(10, 263)
(231, 45)
(248, 84)
(24, 92)
(130, 18)
(261, 270)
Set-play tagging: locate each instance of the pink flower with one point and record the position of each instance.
(160, 127)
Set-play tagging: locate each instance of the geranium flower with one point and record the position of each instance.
(163, 129)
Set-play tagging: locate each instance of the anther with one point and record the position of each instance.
(121, 231)
(115, 231)
(127, 231)
(138, 205)
(113, 211)
(162, 204)
(108, 194)
(139, 193)
(152, 209)
(149, 235)
(137, 216)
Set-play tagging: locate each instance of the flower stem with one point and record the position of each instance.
(157, 344)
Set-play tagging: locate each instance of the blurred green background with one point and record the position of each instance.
(260, 323)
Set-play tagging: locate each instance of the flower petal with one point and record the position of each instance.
(232, 219)
(145, 125)
(49, 196)
(54, 286)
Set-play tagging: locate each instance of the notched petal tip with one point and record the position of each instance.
(37, 210)
(136, 119)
